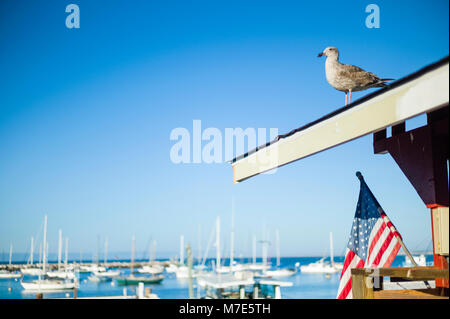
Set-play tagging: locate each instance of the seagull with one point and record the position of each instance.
(348, 78)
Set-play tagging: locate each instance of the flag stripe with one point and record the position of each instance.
(346, 276)
(388, 251)
(373, 241)
(345, 291)
(378, 245)
(348, 259)
(389, 223)
(392, 255)
(384, 246)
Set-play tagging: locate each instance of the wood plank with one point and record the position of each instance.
(408, 294)
(411, 273)
(414, 273)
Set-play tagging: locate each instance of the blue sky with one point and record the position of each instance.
(86, 115)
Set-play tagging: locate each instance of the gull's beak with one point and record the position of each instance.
(320, 54)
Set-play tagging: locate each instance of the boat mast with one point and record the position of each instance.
(199, 243)
(40, 254)
(66, 254)
(97, 254)
(182, 250)
(106, 250)
(151, 251)
(10, 253)
(132, 255)
(232, 237)
(277, 238)
(218, 242)
(32, 251)
(59, 249)
(254, 250)
(331, 249)
(210, 242)
(264, 247)
(44, 253)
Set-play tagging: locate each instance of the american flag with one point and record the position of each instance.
(374, 241)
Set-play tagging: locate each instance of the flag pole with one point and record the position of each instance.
(361, 178)
(412, 259)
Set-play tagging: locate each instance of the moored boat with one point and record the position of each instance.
(282, 272)
(5, 274)
(134, 280)
(49, 285)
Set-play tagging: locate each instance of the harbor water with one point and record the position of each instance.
(305, 285)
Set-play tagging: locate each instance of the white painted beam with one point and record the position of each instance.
(412, 96)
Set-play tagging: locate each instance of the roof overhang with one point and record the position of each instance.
(421, 92)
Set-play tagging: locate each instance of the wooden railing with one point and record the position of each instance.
(367, 283)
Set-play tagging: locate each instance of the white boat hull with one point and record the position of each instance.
(32, 271)
(171, 268)
(61, 274)
(10, 275)
(92, 268)
(281, 273)
(48, 285)
(107, 274)
(151, 270)
(319, 270)
(183, 272)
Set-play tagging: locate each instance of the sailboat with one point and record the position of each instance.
(44, 283)
(5, 274)
(337, 266)
(254, 266)
(234, 267)
(232, 284)
(321, 266)
(60, 273)
(135, 280)
(151, 268)
(420, 260)
(279, 272)
(101, 273)
(30, 269)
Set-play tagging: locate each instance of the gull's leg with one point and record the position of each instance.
(350, 96)
(345, 98)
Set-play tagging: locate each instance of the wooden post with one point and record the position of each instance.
(256, 291)
(439, 260)
(362, 284)
(241, 292)
(140, 292)
(277, 292)
(189, 256)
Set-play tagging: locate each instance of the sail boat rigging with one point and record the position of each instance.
(135, 280)
(44, 283)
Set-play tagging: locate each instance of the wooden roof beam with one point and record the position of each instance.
(421, 92)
